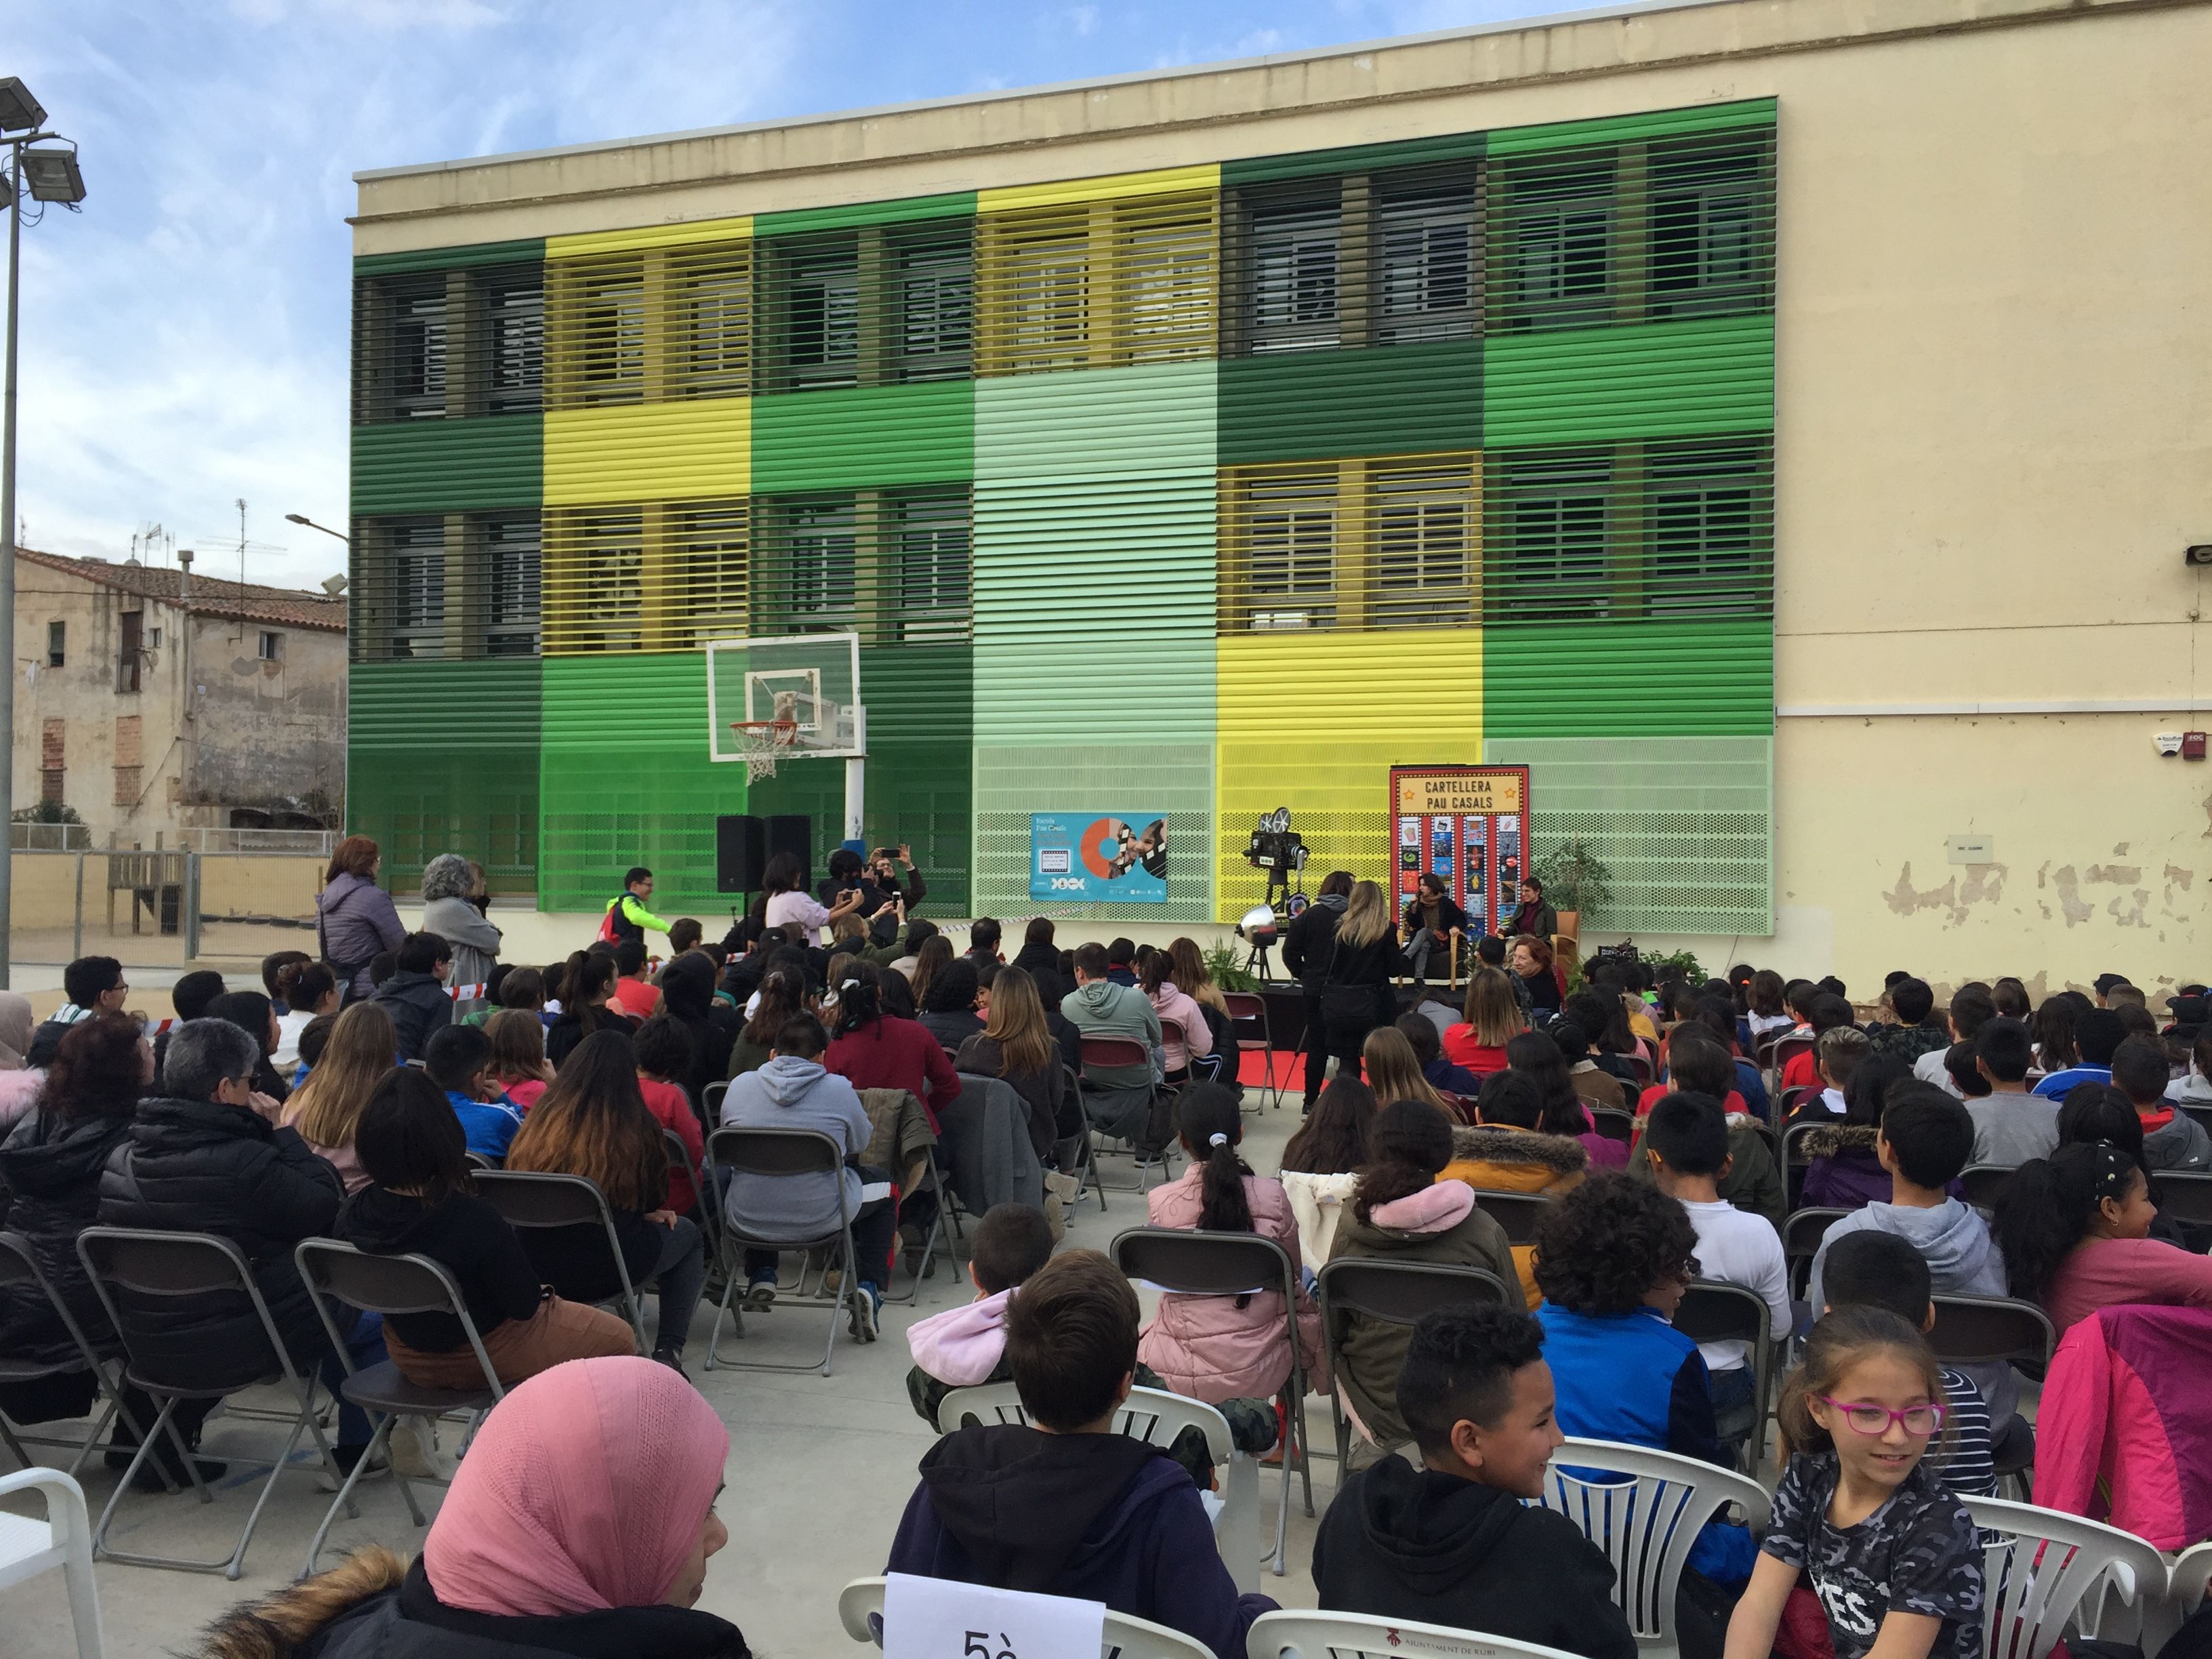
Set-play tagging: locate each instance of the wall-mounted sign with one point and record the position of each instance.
(1101, 858)
(1468, 825)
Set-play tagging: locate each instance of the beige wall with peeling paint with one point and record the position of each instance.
(1994, 432)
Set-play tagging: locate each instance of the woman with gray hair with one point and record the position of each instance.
(451, 886)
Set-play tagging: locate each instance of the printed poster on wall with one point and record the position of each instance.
(1099, 858)
(1466, 825)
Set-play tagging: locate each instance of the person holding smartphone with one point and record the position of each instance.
(889, 887)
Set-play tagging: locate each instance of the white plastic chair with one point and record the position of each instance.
(1647, 1522)
(2187, 1575)
(2049, 1568)
(1298, 1634)
(63, 1540)
(861, 1608)
(1155, 1417)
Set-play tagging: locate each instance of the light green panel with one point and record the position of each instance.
(625, 780)
(1631, 128)
(1683, 826)
(1096, 423)
(1014, 780)
(1607, 385)
(959, 204)
(864, 438)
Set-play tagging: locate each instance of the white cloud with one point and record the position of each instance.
(1084, 20)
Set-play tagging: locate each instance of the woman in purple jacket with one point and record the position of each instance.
(356, 919)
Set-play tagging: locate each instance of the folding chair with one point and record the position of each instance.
(166, 1264)
(1787, 1048)
(1127, 1052)
(1645, 1075)
(2048, 1570)
(861, 1609)
(20, 1267)
(389, 1285)
(1713, 1310)
(1191, 1263)
(1087, 1168)
(1245, 1006)
(1289, 1634)
(1990, 1330)
(771, 1154)
(63, 1540)
(679, 1157)
(478, 1161)
(1790, 1157)
(1516, 1213)
(534, 1200)
(1613, 1123)
(1773, 1138)
(1395, 1292)
(1802, 1233)
(1157, 1418)
(710, 1103)
(1645, 1517)
(2187, 1198)
(1986, 1184)
(2197, 1109)
(944, 1227)
(1788, 1100)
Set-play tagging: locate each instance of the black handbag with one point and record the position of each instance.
(1344, 1006)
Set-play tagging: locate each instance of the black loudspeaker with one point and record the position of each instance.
(741, 853)
(793, 833)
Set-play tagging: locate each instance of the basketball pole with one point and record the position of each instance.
(856, 779)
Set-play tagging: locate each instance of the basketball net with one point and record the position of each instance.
(763, 742)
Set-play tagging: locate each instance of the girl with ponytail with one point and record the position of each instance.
(1218, 1348)
(1400, 1211)
(2074, 1229)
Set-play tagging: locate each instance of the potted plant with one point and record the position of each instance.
(1576, 883)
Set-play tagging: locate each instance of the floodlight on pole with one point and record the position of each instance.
(19, 110)
(53, 176)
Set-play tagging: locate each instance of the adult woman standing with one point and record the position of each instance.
(786, 901)
(593, 1122)
(354, 919)
(1532, 963)
(1306, 945)
(450, 911)
(326, 1109)
(1356, 993)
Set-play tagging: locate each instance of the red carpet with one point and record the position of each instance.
(1289, 1068)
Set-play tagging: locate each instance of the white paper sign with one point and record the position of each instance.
(942, 1618)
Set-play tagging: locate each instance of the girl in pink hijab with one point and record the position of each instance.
(580, 1524)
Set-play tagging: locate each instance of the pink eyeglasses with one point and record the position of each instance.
(1871, 1420)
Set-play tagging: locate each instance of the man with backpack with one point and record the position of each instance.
(627, 916)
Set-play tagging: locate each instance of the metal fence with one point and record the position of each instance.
(161, 908)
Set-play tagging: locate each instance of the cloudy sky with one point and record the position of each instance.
(184, 337)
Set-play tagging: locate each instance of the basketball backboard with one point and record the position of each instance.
(810, 680)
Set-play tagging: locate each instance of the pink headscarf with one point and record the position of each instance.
(585, 1490)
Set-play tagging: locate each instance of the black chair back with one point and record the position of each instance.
(170, 1266)
(1987, 1330)
(1203, 1263)
(774, 1151)
(1613, 1123)
(379, 1283)
(1400, 1292)
(530, 1198)
(1802, 1233)
(1516, 1213)
(1715, 1311)
(2185, 1197)
(1986, 1184)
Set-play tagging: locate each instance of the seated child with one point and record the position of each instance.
(1612, 1259)
(459, 1060)
(1428, 1049)
(1836, 1056)
(2171, 1139)
(1400, 1211)
(518, 1054)
(420, 1201)
(1687, 1136)
(1825, 1013)
(1841, 1171)
(1453, 1542)
(1870, 1269)
(1067, 1507)
(1218, 1348)
(663, 1058)
(1503, 1151)
(2012, 1124)
(1895, 1559)
(1924, 1140)
(314, 1037)
(1701, 1066)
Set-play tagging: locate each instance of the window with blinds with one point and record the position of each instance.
(1553, 223)
(930, 548)
(1099, 284)
(808, 581)
(594, 580)
(934, 299)
(1294, 275)
(710, 311)
(1711, 225)
(879, 304)
(595, 326)
(1550, 558)
(1427, 265)
(512, 578)
(1290, 551)
(1424, 535)
(1708, 527)
(514, 344)
(415, 556)
(710, 552)
(449, 344)
(892, 565)
(419, 352)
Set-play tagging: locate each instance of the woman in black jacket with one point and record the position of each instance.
(948, 1013)
(1430, 924)
(1356, 993)
(687, 996)
(1039, 957)
(51, 1168)
(1306, 945)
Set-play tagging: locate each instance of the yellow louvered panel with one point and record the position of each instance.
(649, 236)
(650, 452)
(1348, 545)
(649, 324)
(1098, 282)
(1114, 186)
(657, 576)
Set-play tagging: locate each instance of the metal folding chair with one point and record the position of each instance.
(2186, 1197)
(860, 1610)
(534, 1201)
(1087, 1150)
(2048, 1570)
(388, 1285)
(1613, 1123)
(151, 1267)
(1986, 1184)
(1119, 1052)
(1645, 1508)
(19, 1268)
(1396, 1293)
(944, 1227)
(1713, 1310)
(1298, 1634)
(1244, 1007)
(679, 1157)
(1788, 1047)
(1516, 1213)
(1192, 1263)
(1157, 1418)
(1802, 1233)
(1992, 1330)
(478, 1161)
(63, 1540)
(774, 1154)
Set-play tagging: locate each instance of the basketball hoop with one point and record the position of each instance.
(761, 742)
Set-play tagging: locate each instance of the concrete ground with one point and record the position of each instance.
(818, 1472)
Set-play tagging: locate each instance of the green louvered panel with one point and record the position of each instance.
(799, 221)
(626, 780)
(1629, 679)
(1355, 158)
(442, 758)
(1096, 423)
(1385, 401)
(920, 707)
(1746, 114)
(853, 438)
(1685, 826)
(450, 258)
(1014, 780)
(449, 466)
(1598, 385)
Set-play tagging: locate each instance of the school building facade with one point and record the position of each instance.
(1778, 427)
